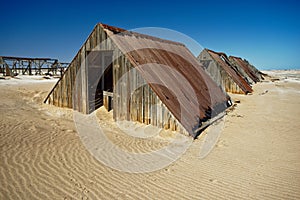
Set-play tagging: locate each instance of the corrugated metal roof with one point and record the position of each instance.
(222, 59)
(174, 74)
(241, 63)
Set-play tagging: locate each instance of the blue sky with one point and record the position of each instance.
(267, 33)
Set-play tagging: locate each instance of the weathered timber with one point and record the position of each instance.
(129, 67)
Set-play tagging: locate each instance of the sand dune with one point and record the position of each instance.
(257, 155)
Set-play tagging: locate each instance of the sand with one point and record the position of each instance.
(256, 156)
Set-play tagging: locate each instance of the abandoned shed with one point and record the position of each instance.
(142, 78)
(223, 73)
(249, 71)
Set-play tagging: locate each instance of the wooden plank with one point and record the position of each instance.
(84, 76)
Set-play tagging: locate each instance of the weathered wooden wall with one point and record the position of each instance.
(71, 90)
(218, 74)
(134, 100)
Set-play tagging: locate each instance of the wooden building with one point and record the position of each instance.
(142, 78)
(251, 72)
(223, 72)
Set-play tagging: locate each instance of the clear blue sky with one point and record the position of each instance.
(267, 33)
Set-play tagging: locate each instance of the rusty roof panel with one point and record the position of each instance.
(224, 62)
(241, 63)
(174, 74)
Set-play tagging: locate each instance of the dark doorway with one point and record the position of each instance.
(99, 77)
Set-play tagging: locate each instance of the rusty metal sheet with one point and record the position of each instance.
(174, 74)
(241, 63)
(223, 60)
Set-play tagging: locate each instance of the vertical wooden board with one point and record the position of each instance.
(157, 109)
(60, 93)
(73, 85)
(84, 74)
(171, 124)
(63, 92)
(133, 102)
(178, 128)
(103, 40)
(93, 40)
(118, 106)
(66, 89)
(153, 108)
(70, 87)
(116, 92)
(141, 103)
(53, 98)
(105, 101)
(145, 103)
(166, 120)
(129, 97)
(149, 104)
(164, 124)
(56, 96)
(76, 89)
(155, 114)
(128, 93)
(131, 111)
(115, 66)
(136, 96)
(161, 114)
(98, 37)
(174, 124)
(87, 45)
(120, 92)
(123, 91)
(78, 94)
(138, 104)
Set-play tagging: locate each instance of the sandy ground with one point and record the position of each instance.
(257, 155)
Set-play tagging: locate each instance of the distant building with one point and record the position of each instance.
(218, 66)
(249, 71)
(110, 66)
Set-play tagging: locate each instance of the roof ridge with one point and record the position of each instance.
(117, 30)
(222, 53)
(236, 57)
